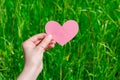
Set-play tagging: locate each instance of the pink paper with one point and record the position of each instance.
(62, 34)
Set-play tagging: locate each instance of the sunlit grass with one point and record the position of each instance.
(92, 55)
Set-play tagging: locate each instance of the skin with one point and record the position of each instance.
(33, 49)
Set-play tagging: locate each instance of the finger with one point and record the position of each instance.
(50, 46)
(37, 37)
(53, 42)
(39, 41)
(43, 45)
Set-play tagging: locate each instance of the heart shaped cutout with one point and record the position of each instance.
(62, 34)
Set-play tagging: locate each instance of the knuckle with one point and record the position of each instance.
(24, 44)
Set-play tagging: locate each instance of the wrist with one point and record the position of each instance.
(28, 73)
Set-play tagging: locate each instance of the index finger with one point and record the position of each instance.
(37, 37)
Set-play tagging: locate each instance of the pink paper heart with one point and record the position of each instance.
(62, 34)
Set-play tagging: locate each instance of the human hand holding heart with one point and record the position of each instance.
(62, 34)
(35, 46)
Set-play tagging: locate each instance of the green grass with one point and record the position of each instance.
(94, 54)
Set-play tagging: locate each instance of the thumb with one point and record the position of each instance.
(44, 42)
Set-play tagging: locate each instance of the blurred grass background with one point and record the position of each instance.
(92, 55)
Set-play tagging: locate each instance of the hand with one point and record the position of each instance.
(33, 55)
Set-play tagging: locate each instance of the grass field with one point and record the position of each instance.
(94, 54)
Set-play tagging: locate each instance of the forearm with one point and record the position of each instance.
(28, 73)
